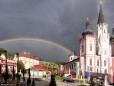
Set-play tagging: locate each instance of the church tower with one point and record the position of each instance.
(87, 49)
(72, 56)
(102, 36)
(103, 47)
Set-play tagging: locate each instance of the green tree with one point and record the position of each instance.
(21, 65)
(11, 54)
(1, 51)
(8, 53)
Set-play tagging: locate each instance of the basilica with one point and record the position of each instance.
(96, 51)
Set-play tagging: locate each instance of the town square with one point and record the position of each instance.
(57, 43)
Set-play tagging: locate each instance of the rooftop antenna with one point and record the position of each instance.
(73, 49)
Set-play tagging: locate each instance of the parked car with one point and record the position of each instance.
(69, 80)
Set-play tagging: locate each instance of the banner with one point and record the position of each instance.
(87, 73)
(77, 68)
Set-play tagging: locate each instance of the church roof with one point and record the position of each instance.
(28, 55)
(88, 30)
(101, 16)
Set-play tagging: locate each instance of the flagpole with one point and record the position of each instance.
(79, 76)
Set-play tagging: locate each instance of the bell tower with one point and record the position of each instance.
(87, 49)
(102, 36)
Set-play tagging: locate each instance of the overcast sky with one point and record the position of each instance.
(61, 21)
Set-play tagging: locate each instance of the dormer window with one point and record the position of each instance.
(71, 58)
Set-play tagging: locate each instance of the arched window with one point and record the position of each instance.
(90, 47)
(90, 62)
(104, 62)
(97, 62)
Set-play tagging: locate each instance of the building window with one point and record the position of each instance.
(97, 62)
(82, 48)
(104, 62)
(72, 66)
(97, 70)
(90, 47)
(99, 40)
(105, 71)
(70, 58)
(91, 68)
(90, 62)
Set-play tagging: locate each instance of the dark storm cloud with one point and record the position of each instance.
(109, 13)
(61, 21)
(37, 48)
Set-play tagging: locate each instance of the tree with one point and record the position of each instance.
(1, 51)
(11, 54)
(21, 65)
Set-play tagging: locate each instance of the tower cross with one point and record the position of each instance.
(101, 2)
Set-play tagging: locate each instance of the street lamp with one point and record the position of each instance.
(33, 66)
(33, 82)
(47, 68)
(6, 68)
(17, 54)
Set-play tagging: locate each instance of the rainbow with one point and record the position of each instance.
(35, 39)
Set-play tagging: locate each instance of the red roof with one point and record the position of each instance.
(28, 55)
(40, 67)
(8, 63)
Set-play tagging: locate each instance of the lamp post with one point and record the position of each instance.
(18, 75)
(33, 66)
(6, 68)
(29, 78)
(17, 54)
(13, 73)
(33, 82)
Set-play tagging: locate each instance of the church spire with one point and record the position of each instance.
(87, 23)
(101, 16)
(88, 30)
